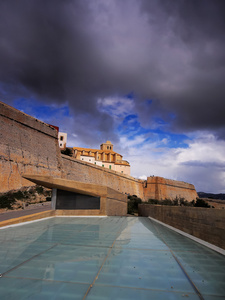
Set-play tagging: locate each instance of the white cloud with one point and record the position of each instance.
(117, 107)
(204, 149)
(143, 177)
(131, 144)
(202, 163)
(164, 141)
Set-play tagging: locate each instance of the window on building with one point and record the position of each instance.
(89, 159)
(82, 159)
(110, 147)
(61, 138)
(107, 147)
(60, 144)
(110, 167)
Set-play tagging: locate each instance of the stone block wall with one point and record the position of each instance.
(75, 169)
(116, 203)
(161, 188)
(204, 223)
(27, 145)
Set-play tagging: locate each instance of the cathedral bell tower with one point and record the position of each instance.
(107, 146)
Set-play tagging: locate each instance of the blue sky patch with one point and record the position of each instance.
(131, 128)
(41, 111)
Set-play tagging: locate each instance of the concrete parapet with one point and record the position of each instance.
(28, 218)
(204, 223)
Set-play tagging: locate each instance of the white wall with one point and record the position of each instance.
(62, 138)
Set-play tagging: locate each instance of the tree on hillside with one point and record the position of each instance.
(67, 151)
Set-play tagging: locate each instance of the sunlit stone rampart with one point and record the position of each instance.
(161, 188)
(29, 146)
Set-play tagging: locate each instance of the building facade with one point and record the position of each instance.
(62, 138)
(104, 157)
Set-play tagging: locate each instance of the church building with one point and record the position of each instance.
(104, 157)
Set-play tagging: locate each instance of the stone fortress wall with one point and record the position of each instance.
(75, 169)
(161, 188)
(29, 146)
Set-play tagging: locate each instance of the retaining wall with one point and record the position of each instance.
(205, 223)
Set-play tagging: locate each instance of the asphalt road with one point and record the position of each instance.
(19, 213)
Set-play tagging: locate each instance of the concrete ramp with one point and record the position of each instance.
(71, 197)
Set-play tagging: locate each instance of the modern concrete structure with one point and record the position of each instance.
(81, 198)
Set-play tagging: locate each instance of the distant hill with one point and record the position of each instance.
(211, 196)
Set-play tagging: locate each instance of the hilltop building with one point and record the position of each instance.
(62, 138)
(104, 157)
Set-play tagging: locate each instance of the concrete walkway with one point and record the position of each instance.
(20, 213)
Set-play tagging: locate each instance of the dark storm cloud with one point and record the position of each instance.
(44, 48)
(46, 53)
(196, 93)
(77, 51)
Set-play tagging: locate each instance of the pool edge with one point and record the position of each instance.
(200, 241)
(27, 218)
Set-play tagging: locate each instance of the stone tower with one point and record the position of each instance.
(107, 146)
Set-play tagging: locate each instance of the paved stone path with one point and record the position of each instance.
(19, 213)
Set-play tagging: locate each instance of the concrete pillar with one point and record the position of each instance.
(54, 195)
